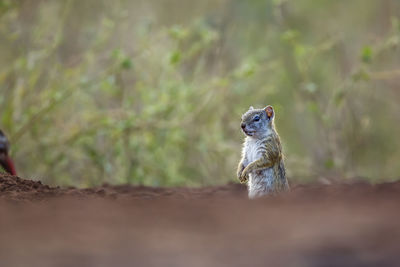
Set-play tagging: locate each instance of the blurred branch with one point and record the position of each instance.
(39, 115)
(385, 75)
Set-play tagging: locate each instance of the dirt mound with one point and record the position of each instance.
(10, 183)
(313, 225)
(17, 189)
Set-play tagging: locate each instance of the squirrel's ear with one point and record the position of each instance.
(270, 112)
(251, 108)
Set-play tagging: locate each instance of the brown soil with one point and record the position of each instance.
(313, 225)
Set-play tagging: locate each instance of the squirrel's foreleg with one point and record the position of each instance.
(262, 163)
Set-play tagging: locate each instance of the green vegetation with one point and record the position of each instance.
(151, 92)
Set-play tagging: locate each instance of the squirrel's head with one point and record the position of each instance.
(258, 123)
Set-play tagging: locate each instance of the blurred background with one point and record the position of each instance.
(151, 92)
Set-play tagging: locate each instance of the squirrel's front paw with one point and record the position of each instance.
(243, 177)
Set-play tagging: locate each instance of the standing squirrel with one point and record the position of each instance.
(262, 164)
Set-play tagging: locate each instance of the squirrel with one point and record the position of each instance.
(262, 165)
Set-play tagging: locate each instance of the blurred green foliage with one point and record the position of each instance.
(151, 92)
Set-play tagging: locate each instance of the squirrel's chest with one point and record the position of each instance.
(252, 150)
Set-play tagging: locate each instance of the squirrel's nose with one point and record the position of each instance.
(243, 125)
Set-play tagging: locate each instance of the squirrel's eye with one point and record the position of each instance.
(256, 118)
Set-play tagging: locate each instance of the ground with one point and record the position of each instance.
(313, 225)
